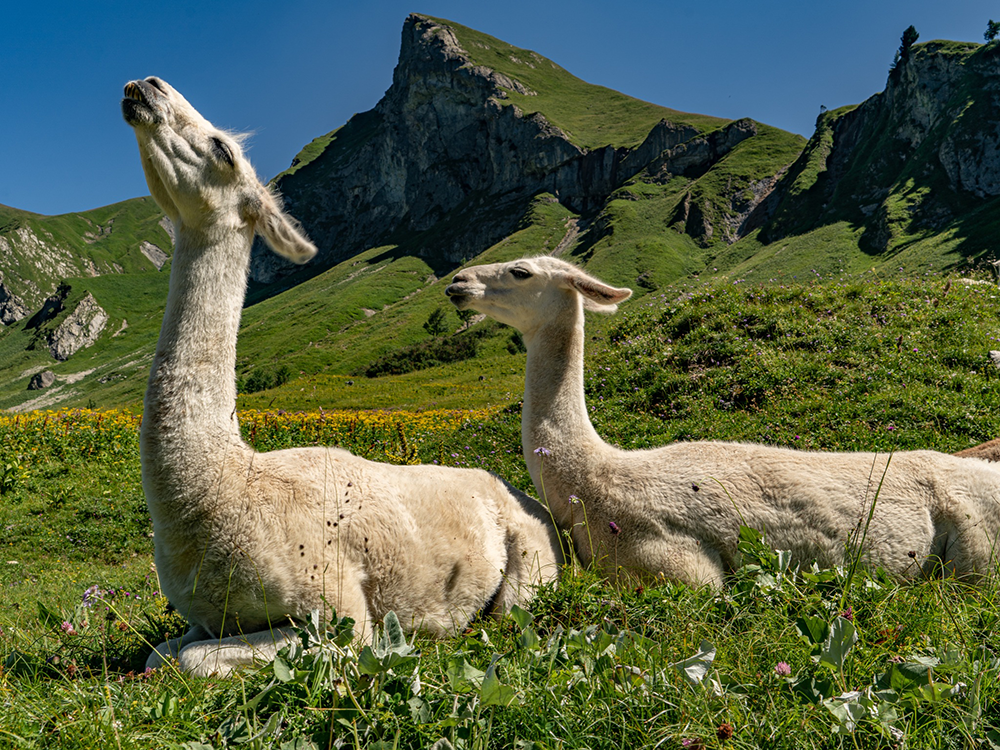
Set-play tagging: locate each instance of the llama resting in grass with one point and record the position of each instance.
(246, 543)
(677, 510)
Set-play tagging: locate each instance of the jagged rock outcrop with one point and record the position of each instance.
(154, 254)
(48, 260)
(446, 149)
(694, 157)
(41, 380)
(913, 159)
(77, 330)
(12, 309)
(80, 329)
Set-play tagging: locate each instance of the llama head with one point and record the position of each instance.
(199, 175)
(530, 292)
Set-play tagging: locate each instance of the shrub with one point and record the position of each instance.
(426, 354)
(262, 379)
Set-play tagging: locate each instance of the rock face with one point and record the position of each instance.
(37, 252)
(155, 255)
(914, 159)
(77, 330)
(12, 309)
(80, 329)
(41, 380)
(446, 148)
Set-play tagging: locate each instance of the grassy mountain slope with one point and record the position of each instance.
(888, 184)
(591, 116)
(41, 250)
(113, 372)
(658, 231)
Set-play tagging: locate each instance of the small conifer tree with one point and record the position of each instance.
(435, 324)
(909, 38)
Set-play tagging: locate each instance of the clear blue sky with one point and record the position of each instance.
(290, 70)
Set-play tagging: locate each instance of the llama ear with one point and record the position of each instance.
(597, 296)
(280, 231)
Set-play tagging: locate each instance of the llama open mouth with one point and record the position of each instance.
(134, 91)
(139, 104)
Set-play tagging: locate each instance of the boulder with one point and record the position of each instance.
(80, 329)
(41, 380)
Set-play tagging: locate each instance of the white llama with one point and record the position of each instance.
(247, 543)
(676, 510)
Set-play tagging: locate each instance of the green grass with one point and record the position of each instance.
(840, 364)
(591, 665)
(113, 371)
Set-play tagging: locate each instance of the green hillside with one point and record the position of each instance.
(111, 373)
(766, 207)
(905, 180)
(591, 116)
(43, 249)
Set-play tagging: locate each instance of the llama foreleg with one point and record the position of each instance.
(220, 656)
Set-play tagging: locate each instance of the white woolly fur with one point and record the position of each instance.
(247, 543)
(677, 509)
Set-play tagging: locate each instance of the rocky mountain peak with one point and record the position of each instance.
(910, 160)
(453, 148)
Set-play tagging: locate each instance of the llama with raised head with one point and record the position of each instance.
(675, 511)
(247, 543)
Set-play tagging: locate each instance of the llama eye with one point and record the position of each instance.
(520, 273)
(223, 151)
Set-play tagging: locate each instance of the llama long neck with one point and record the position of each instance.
(554, 416)
(189, 423)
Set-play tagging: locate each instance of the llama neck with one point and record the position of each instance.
(189, 415)
(554, 416)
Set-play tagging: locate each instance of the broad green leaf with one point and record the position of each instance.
(936, 692)
(492, 692)
(847, 713)
(813, 689)
(282, 670)
(522, 617)
(394, 633)
(528, 639)
(299, 743)
(813, 629)
(420, 711)
(368, 663)
(907, 676)
(462, 676)
(694, 668)
(839, 643)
